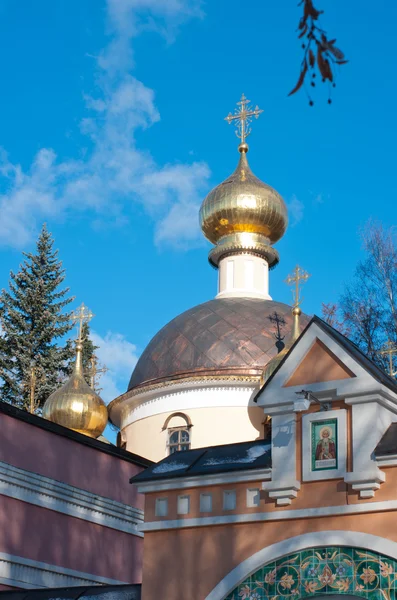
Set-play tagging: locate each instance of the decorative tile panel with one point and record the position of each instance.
(322, 571)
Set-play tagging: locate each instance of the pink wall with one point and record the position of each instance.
(34, 449)
(39, 534)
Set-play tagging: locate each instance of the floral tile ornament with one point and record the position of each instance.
(318, 571)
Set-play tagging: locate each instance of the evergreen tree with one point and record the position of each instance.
(33, 320)
(88, 354)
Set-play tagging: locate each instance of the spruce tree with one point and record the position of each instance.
(34, 320)
(88, 354)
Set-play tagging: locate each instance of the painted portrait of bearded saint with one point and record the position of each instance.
(325, 449)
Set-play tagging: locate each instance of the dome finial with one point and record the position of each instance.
(76, 405)
(297, 278)
(243, 118)
(80, 316)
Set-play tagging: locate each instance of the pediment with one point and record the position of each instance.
(325, 362)
(319, 365)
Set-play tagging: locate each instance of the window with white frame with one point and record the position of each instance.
(161, 507)
(183, 507)
(205, 502)
(253, 497)
(178, 426)
(229, 500)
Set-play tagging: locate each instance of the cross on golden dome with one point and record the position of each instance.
(297, 278)
(80, 316)
(243, 117)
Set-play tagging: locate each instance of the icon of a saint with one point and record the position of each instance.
(325, 449)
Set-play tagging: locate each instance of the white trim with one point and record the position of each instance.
(283, 515)
(67, 499)
(275, 395)
(388, 460)
(193, 481)
(19, 572)
(365, 482)
(182, 396)
(355, 539)
(341, 450)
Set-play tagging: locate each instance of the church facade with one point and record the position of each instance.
(311, 511)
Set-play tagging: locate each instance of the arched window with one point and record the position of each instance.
(178, 426)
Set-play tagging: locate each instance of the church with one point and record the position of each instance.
(257, 452)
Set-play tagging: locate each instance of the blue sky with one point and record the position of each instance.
(112, 132)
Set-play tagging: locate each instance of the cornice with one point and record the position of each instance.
(184, 399)
(64, 498)
(24, 573)
(135, 396)
(194, 481)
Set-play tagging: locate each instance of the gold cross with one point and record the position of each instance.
(298, 277)
(243, 117)
(80, 316)
(93, 371)
(389, 349)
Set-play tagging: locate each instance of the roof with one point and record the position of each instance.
(350, 347)
(388, 443)
(99, 592)
(225, 336)
(213, 459)
(36, 421)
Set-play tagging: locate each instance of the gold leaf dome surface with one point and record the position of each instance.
(243, 203)
(75, 405)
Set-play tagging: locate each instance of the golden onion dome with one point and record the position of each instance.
(243, 213)
(75, 405)
(276, 360)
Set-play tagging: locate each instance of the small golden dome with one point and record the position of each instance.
(243, 204)
(276, 360)
(75, 405)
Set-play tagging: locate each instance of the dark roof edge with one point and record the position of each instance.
(36, 421)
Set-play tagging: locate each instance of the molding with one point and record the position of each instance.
(282, 515)
(64, 498)
(138, 395)
(355, 539)
(388, 460)
(365, 482)
(24, 573)
(183, 398)
(194, 481)
(274, 394)
(307, 420)
(282, 492)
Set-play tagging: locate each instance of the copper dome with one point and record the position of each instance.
(224, 337)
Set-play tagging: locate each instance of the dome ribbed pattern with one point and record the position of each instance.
(225, 336)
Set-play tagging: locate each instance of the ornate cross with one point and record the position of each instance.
(93, 371)
(297, 278)
(389, 349)
(243, 117)
(80, 316)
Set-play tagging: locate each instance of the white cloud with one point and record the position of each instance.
(115, 172)
(295, 210)
(119, 356)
